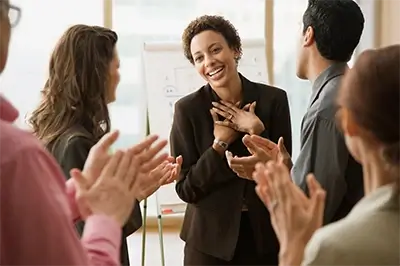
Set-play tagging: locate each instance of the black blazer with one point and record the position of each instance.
(71, 151)
(214, 193)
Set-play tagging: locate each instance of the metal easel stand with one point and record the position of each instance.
(160, 231)
(144, 231)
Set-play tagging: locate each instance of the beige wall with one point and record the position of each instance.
(388, 21)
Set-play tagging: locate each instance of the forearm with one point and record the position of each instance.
(204, 176)
(291, 256)
(102, 240)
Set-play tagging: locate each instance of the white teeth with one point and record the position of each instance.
(215, 71)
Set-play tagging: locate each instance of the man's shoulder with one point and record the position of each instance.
(15, 141)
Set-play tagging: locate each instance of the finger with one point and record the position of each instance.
(150, 165)
(226, 123)
(107, 141)
(165, 176)
(229, 124)
(112, 166)
(263, 194)
(251, 144)
(214, 115)
(149, 154)
(222, 113)
(247, 160)
(272, 182)
(281, 146)
(132, 172)
(170, 159)
(79, 179)
(313, 185)
(246, 107)
(283, 188)
(124, 165)
(263, 142)
(258, 174)
(252, 108)
(229, 157)
(145, 144)
(318, 206)
(179, 160)
(227, 107)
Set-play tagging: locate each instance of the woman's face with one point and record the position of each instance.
(114, 77)
(213, 59)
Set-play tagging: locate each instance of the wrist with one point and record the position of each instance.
(218, 147)
(291, 255)
(257, 129)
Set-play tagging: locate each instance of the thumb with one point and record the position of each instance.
(80, 180)
(179, 160)
(281, 146)
(318, 206)
(253, 107)
(313, 185)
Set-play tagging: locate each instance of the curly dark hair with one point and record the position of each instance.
(76, 90)
(215, 23)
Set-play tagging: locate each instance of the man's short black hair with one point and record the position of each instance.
(337, 25)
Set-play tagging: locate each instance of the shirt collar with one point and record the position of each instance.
(7, 111)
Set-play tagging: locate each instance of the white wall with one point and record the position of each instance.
(41, 25)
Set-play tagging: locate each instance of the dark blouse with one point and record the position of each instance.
(71, 151)
(214, 193)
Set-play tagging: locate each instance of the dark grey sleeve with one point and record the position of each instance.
(325, 154)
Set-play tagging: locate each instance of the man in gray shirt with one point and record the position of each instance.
(331, 32)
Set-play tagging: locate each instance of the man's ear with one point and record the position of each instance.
(308, 37)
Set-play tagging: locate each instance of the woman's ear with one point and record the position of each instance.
(348, 123)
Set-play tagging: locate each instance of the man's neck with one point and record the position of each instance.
(316, 68)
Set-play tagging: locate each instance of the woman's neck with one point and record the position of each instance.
(231, 92)
(376, 173)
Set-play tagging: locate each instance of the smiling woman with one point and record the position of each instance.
(225, 222)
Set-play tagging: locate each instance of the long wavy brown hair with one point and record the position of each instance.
(76, 90)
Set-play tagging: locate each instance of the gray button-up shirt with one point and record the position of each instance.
(323, 149)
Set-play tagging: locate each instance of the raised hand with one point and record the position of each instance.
(100, 154)
(112, 192)
(245, 166)
(165, 173)
(294, 216)
(276, 152)
(243, 120)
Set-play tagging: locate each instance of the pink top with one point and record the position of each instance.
(38, 208)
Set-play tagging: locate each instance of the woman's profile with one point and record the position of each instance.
(73, 113)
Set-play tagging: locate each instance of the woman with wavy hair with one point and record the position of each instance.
(73, 113)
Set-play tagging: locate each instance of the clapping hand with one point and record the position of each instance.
(294, 216)
(261, 150)
(112, 192)
(243, 120)
(144, 153)
(165, 173)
